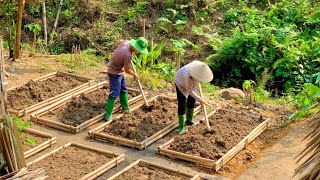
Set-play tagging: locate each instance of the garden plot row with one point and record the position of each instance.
(78, 109)
(77, 161)
(231, 131)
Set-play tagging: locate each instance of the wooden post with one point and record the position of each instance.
(18, 32)
(44, 17)
(56, 21)
(143, 27)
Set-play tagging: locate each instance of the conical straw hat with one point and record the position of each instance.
(200, 71)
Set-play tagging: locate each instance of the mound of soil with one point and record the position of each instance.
(34, 92)
(140, 172)
(139, 124)
(227, 130)
(71, 163)
(82, 108)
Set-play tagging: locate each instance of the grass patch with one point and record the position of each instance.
(80, 60)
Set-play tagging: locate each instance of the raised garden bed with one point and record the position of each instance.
(43, 141)
(141, 169)
(80, 110)
(77, 161)
(43, 91)
(230, 133)
(140, 128)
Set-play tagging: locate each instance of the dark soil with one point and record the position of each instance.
(27, 146)
(227, 130)
(83, 108)
(145, 173)
(34, 92)
(139, 125)
(71, 163)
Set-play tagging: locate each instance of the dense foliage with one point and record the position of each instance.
(282, 40)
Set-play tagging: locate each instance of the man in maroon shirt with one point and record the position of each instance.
(120, 63)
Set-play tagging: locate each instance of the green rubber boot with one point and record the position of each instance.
(109, 109)
(181, 124)
(124, 101)
(189, 116)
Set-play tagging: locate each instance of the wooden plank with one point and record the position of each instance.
(108, 153)
(39, 148)
(9, 141)
(104, 168)
(18, 143)
(54, 124)
(153, 166)
(36, 132)
(124, 170)
(118, 140)
(52, 140)
(6, 150)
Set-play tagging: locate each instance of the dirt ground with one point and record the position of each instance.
(258, 161)
(37, 91)
(71, 163)
(140, 124)
(228, 129)
(145, 173)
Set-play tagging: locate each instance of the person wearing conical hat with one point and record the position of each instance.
(187, 81)
(120, 63)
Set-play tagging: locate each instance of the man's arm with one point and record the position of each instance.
(129, 71)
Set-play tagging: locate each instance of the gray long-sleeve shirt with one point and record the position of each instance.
(186, 84)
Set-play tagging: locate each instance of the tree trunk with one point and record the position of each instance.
(44, 16)
(19, 25)
(56, 21)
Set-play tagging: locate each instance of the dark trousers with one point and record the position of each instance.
(117, 84)
(183, 101)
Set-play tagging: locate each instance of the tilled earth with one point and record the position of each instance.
(34, 92)
(71, 163)
(140, 124)
(227, 130)
(83, 108)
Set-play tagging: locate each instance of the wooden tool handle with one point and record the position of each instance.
(140, 87)
(205, 110)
